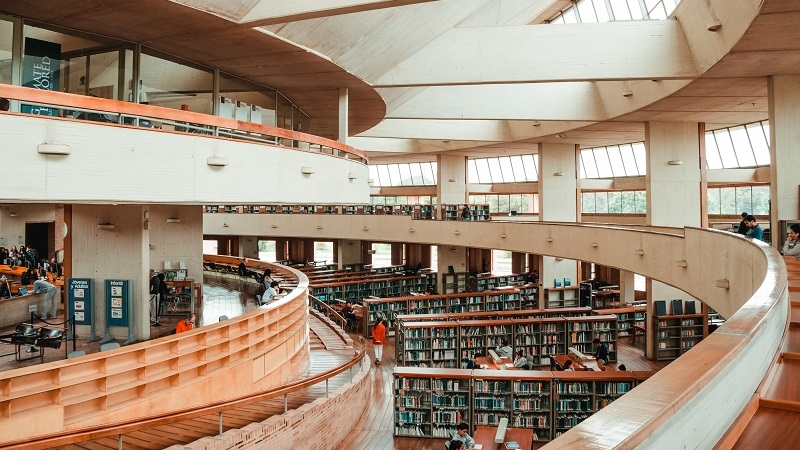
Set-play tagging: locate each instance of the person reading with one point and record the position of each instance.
(186, 324)
(462, 435)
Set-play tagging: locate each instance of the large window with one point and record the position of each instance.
(614, 202)
(409, 174)
(402, 200)
(504, 203)
(266, 251)
(210, 247)
(381, 255)
(323, 252)
(742, 146)
(736, 200)
(504, 169)
(614, 161)
(585, 11)
(501, 262)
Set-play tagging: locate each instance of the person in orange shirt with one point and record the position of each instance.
(185, 324)
(378, 338)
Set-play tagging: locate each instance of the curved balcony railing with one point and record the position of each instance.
(58, 105)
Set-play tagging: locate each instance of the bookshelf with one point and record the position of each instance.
(431, 402)
(562, 297)
(428, 344)
(453, 212)
(492, 396)
(581, 331)
(627, 317)
(677, 334)
(478, 336)
(455, 282)
(581, 394)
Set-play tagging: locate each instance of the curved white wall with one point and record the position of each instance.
(111, 164)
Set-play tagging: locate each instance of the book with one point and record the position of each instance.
(512, 445)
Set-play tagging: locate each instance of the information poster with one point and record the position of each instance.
(79, 300)
(40, 70)
(117, 305)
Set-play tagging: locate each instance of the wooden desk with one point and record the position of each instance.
(485, 436)
(490, 364)
(579, 364)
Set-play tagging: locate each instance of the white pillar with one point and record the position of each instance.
(627, 293)
(784, 132)
(452, 175)
(344, 109)
(558, 202)
(675, 171)
(248, 247)
(349, 252)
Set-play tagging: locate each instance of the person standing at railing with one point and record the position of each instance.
(41, 285)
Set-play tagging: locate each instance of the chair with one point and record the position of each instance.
(109, 346)
(223, 317)
(258, 300)
(447, 445)
(75, 354)
(25, 334)
(50, 338)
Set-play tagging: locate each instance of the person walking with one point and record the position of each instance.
(378, 338)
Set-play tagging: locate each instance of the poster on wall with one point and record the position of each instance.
(41, 65)
(79, 300)
(117, 305)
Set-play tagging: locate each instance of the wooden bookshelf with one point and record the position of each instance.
(627, 317)
(562, 297)
(431, 402)
(581, 331)
(677, 334)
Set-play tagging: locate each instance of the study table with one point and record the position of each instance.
(488, 362)
(579, 363)
(484, 435)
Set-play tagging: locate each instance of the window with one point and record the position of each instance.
(382, 256)
(735, 200)
(742, 146)
(407, 174)
(614, 202)
(586, 11)
(504, 169)
(504, 203)
(501, 262)
(210, 246)
(614, 161)
(323, 252)
(402, 200)
(266, 251)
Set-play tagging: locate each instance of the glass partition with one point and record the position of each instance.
(175, 84)
(260, 99)
(6, 34)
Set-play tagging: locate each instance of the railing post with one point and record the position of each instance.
(351, 374)
(119, 440)
(326, 387)
(285, 404)
(220, 423)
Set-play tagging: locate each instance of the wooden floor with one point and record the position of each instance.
(775, 423)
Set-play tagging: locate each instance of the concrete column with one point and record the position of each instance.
(344, 110)
(349, 252)
(675, 186)
(558, 202)
(452, 176)
(627, 292)
(784, 115)
(248, 247)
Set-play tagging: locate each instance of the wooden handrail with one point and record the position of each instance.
(61, 99)
(123, 427)
(329, 312)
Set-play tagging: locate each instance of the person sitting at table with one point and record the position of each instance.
(349, 314)
(520, 361)
(470, 363)
(600, 351)
(186, 324)
(461, 435)
(622, 367)
(568, 366)
(456, 445)
(5, 291)
(504, 350)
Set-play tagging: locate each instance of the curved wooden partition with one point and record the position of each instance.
(221, 362)
(690, 403)
(213, 123)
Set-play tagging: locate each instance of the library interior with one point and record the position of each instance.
(517, 224)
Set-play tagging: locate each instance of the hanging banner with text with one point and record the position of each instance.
(40, 70)
(117, 306)
(79, 300)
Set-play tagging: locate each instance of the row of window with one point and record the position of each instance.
(721, 201)
(586, 11)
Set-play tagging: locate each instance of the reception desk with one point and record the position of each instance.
(485, 436)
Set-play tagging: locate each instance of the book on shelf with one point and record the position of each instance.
(557, 282)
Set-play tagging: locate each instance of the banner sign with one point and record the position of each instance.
(41, 67)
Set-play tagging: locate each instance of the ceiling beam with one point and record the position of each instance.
(270, 12)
